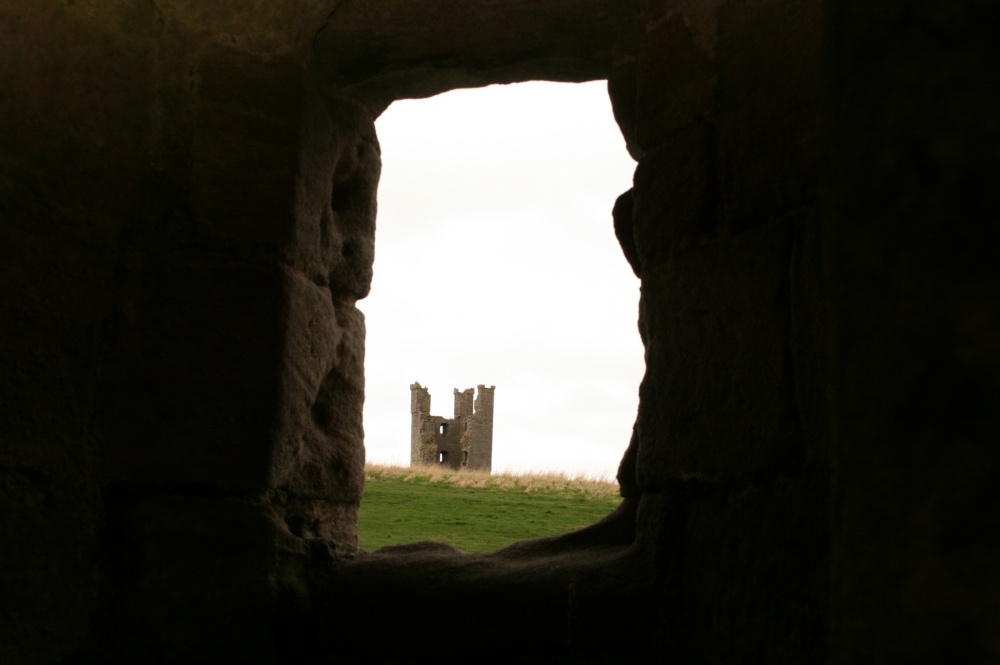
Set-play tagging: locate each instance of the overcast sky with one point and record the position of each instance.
(496, 263)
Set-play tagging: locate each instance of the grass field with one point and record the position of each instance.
(475, 511)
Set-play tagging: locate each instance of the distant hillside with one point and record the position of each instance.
(475, 511)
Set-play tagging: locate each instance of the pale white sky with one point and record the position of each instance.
(496, 263)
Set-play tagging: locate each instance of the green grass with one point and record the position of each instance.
(475, 512)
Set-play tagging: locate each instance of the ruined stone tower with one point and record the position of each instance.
(465, 441)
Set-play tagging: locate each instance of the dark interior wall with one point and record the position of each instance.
(376, 51)
(188, 222)
(61, 215)
(721, 108)
(233, 379)
(913, 290)
(187, 199)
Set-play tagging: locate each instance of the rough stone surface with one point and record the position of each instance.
(168, 192)
(462, 442)
(187, 215)
(734, 532)
(318, 469)
(200, 578)
(914, 299)
(379, 50)
(717, 325)
(675, 95)
(674, 198)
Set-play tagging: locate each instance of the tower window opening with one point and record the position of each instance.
(442, 456)
(442, 428)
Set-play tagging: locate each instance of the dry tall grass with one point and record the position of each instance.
(504, 482)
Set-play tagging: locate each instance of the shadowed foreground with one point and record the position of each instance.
(187, 222)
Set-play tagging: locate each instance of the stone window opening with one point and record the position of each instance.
(484, 292)
(460, 248)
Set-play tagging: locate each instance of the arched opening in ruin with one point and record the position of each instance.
(497, 262)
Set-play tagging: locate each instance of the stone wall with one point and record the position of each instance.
(465, 441)
(464, 405)
(722, 217)
(187, 210)
(441, 441)
(188, 222)
(913, 298)
(478, 436)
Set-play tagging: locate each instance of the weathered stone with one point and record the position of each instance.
(347, 227)
(674, 199)
(51, 517)
(767, 159)
(293, 322)
(196, 335)
(627, 481)
(700, 16)
(263, 29)
(187, 210)
(764, 532)
(565, 620)
(462, 442)
(622, 92)
(913, 296)
(675, 83)
(200, 578)
(717, 399)
(623, 216)
(317, 469)
(63, 121)
(249, 115)
(378, 51)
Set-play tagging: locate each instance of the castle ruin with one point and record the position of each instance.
(462, 442)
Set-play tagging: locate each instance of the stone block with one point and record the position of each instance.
(699, 15)
(909, 246)
(623, 215)
(622, 92)
(768, 108)
(189, 394)
(350, 243)
(201, 579)
(317, 468)
(463, 43)
(280, 167)
(717, 400)
(74, 167)
(673, 202)
(675, 82)
(50, 520)
(246, 147)
(772, 534)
